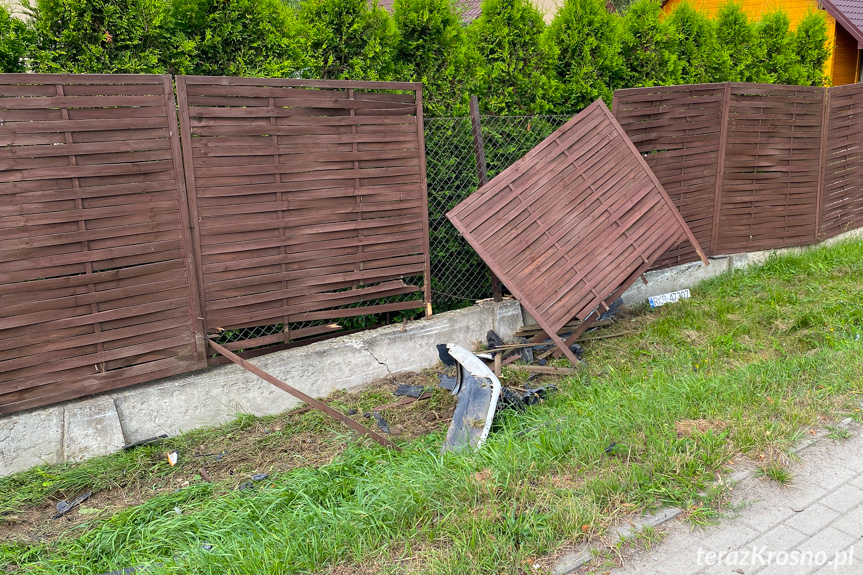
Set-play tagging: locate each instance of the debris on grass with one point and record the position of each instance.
(477, 390)
(63, 507)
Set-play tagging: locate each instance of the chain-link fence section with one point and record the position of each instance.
(459, 277)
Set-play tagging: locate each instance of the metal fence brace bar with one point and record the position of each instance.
(317, 404)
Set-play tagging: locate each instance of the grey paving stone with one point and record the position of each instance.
(827, 476)
(844, 498)
(763, 515)
(780, 537)
(829, 540)
(812, 519)
(852, 524)
(730, 536)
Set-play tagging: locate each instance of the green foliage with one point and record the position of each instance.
(776, 61)
(514, 72)
(694, 45)
(649, 46)
(235, 38)
(349, 39)
(97, 36)
(735, 38)
(430, 48)
(586, 56)
(810, 45)
(14, 39)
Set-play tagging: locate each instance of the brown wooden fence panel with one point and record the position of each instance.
(679, 131)
(94, 274)
(574, 220)
(309, 199)
(842, 205)
(771, 171)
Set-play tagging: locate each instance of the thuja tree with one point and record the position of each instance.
(776, 61)
(810, 45)
(430, 48)
(348, 39)
(584, 38)
(648, 46)
(736, 44)
(235, 38)
(513, 73)
(97, 36)
(14, 39)
(694, 45)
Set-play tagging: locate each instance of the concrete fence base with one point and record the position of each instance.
(100, 425)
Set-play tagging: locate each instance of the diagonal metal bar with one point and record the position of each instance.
(356, 426)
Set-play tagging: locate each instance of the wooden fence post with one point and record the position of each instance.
(720, 170)
(822, 163)
(482, 172)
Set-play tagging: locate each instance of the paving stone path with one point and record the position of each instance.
(812, 526)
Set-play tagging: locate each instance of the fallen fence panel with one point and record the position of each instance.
(576, 220)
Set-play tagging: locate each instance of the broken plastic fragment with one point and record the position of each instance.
(172, 458)
(477, 390)
(382, 424)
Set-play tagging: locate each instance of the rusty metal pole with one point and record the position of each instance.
(482, 172)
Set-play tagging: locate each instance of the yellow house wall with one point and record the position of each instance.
(755, 9)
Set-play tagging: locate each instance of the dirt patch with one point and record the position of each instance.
(230, 456)
(689, 427)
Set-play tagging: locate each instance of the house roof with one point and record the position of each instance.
(849, 14)
(469, 9)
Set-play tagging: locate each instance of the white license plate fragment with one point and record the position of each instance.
(672, 297)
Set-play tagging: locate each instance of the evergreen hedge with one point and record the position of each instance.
(508, 56)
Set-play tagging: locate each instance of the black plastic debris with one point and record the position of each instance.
(351, 411)
(382, 424)
(532, 396)
(147, 441)
(612, 448)
(244, 486)
(259, 476)
(63, 507)
(613, 309)
(494, 341)
(510, 399)
(410, 390)
(207, 547)
(477, 390)
(443, 354)
(526, 353)
(577, 350)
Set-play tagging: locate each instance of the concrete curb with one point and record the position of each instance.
(100, 425)
(571, 562)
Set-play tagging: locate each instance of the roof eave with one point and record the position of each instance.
(844, 21)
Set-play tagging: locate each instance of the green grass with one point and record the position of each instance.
(766, 351)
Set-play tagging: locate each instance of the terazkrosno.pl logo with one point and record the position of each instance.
(762, 556)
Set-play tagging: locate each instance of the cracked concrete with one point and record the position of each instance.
(97, 426)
